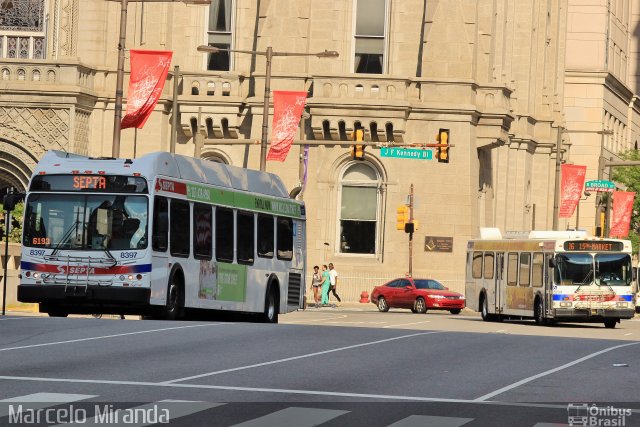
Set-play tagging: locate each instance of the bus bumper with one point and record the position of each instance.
(593, 314)
(81, 295)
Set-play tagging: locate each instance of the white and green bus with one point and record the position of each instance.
(158, 235)
(550, 276)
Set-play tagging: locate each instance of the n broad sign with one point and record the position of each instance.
(600, 186)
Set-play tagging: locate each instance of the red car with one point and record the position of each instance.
(419, 295)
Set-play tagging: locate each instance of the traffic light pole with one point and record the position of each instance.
(411, 233)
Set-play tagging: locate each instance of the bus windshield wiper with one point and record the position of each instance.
(66, 236)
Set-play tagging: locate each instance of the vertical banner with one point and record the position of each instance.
(287, 111)
(149, 70)
(571, 188)
(621, 215)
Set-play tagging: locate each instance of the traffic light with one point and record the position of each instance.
(403, 217)
(357, 150)
(442, 153)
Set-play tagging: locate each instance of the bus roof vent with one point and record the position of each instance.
(552, 234)
(490, 233)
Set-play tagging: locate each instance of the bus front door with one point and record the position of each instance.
(499, 285)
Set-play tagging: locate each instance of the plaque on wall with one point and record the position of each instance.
(438, 244)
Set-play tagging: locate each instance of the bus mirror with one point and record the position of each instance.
(552, 263)
(634, 274)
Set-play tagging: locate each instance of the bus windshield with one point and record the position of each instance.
(86, 222)
(578, 269)
(613, 269)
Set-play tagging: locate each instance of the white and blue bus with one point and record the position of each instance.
(550, 276)
(158, 235)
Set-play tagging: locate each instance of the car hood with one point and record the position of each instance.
(444, 293)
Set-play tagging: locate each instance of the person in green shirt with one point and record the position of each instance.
(326, 283)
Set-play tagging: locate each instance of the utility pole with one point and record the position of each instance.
(411, 231)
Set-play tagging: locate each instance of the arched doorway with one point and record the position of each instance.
(16, 166)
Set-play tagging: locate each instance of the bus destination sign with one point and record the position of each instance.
(92, 183)
(593, 246)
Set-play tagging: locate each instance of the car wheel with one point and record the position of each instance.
(455, 311)
(382, 304)
(420, 306)
(610, 323)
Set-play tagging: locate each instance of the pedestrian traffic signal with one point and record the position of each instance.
(403, 217)
(442, 153)
(357, 150)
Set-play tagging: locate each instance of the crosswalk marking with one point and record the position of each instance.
(431, 421)
(550, 425)
(145, 415)
(300, 417)
(39, 401)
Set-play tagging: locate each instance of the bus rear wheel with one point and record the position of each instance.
(610, 323)
(484, 307)
(270, 314)
(538, 313)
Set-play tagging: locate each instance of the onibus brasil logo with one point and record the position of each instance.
(583, 414)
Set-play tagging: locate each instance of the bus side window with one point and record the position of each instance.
(537, 272)
(488, 265)
(476, 267)
(160, 239)
(525, 268)
(245, 233)
(202, 231)
(285, 238)
(179, 244)
(512, 269)
(224, 234)
(265, 236)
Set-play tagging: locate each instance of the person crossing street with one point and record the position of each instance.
(333, 276)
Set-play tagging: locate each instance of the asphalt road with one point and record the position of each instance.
(349, 366)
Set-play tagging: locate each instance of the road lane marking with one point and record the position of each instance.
(299, 417)
(302, 356)
(431, 421)
(109, 336)
(20, 318)
(626, 335)
(39, 401)
(405, 324)
(175, 409)
(342, 316)
(551, 371)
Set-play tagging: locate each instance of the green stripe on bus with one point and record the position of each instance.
(200, 193)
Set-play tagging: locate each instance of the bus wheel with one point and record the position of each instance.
(610, 323)
(57, 314)
(538, 314)
(173, 306)
(382, 304)
(270, 307)
(420, 306)
(485, 310)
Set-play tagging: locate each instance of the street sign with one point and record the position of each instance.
(600, 185)
(406, 153)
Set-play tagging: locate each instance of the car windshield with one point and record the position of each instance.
(613, 269)
(428, 284)
(86, 222)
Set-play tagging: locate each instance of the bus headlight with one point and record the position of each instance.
(565, 304)
(621, 304)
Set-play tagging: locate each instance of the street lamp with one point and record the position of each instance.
(117, 114)
(268, 54)
(586, 196)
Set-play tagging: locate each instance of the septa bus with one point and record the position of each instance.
(550, 276)
(160, 234)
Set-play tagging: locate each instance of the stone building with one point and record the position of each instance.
(502, 75)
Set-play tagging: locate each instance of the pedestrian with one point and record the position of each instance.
(316, 283)
(326, 283)
(333, 276)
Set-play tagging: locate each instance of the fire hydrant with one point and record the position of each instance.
(364, 297)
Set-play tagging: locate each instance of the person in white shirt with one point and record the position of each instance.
(333, 275)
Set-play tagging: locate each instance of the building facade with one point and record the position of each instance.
(499, 74)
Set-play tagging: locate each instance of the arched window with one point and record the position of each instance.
(359, 209)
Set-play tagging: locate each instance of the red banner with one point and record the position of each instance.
(149, 70)
(287, 110)
(621, 215)
(571, 188)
